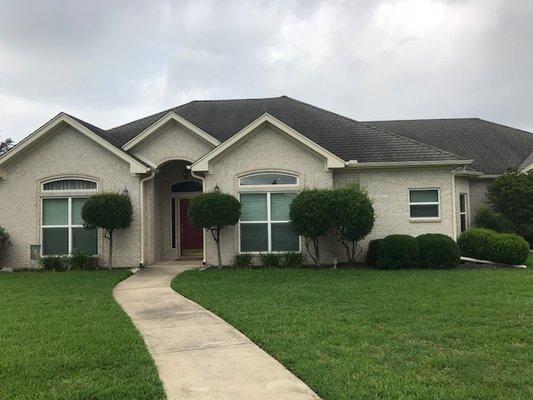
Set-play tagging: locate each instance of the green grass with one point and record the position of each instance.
(529, 261)
(364, 334)
(62, 336)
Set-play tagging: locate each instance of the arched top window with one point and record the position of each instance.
(70, 184)
(268, 179)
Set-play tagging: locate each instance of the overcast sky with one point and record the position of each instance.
(109, 62)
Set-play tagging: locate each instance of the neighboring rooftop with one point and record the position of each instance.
(493, 147)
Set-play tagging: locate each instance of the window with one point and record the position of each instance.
(62, 227)
(463, 203)
(269, 179)
(265, 225)
(424, 204)
(70, 184)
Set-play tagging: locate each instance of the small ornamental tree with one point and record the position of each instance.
(512, 195)
(310, 216)
(108, 211)
(214, 211)
(352, 218)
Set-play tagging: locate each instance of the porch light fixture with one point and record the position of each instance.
(186, 174)
(126, 192)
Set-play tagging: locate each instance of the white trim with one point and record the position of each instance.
(69, 178)
(527, 168)
(396, 164)
(489, 176)
(69, 226)
(171, 116)
(135, 166)
(425, 203)
(269, 221)
(332, 161)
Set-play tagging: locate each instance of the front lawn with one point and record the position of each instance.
(364, 334)
(62, 336)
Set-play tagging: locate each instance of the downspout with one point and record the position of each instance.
(146, 179)
(203, 230)
(454, 206)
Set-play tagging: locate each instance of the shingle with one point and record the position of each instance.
(493, 147)
(345, 137)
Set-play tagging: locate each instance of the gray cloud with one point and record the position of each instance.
(111, 62)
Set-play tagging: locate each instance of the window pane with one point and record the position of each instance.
(424, 211)
(83, 239)
(55, 212)
(269, 179)
(280, 205)
(69, 184)
(423, 196)
(254, 237)
(254, 207)
(77, 205)
(284, 238)
(463, 222)
(55, 241)
(462, 202)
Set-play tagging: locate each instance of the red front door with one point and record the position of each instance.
(191, 238)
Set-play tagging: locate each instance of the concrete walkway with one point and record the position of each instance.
(198, 355)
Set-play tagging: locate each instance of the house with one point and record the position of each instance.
(423, 176)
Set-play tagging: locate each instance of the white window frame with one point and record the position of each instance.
(426, 203)
(268, 222)
(69, 225)
(73, 178)
(465, 212)
(283, 185)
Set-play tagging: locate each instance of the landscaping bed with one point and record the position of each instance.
(62, 336)
(370, 334)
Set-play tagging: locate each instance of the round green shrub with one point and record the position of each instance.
(398, 252)
(372, 254)
(474, 242)
(507, 248)
(438, 251)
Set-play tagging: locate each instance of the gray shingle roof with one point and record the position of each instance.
(494, 148)
(345, 137)
(528, 161)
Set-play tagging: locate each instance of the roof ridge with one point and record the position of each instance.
(421, 119)
(504, 126)
(245, 99)
(383, 131)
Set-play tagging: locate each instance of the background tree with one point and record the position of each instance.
(214, 211)
(352, 218)
(310, 216)
(5, 146)
(5, 242)
(512, 195)
(108, 211)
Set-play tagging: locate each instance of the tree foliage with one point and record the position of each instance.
(512, 195)
(311, 215)
(214, 211)
(5, 146)
(486, 218)
(108, 211)
(352, 218)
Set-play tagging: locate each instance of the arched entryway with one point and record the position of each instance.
(175, 237)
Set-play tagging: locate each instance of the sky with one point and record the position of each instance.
(110, 62)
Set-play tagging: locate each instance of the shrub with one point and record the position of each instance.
(243, 260)
(507, 248)
(108, 211)
(311, 217)
(398, 251)
(81, 260)
(270, 260)
(438, 251)
(474, 242)
(372, 254)
(489, 219)
(352, 218)
(292, 259)
(54, 263)
(214, 211)
(5, 242)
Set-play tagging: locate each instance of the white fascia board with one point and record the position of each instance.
(332, 161)
(135, 166)
(398, 164)
(171, 116)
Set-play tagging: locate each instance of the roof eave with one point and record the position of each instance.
(407, 164)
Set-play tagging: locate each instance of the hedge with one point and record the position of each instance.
(438, 251)
(372, 254)
(397, 252)
(474, 242)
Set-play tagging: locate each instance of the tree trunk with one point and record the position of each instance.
(317, 251)
(216, 237)
(110, 260)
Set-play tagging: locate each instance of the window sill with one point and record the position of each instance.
(424, 220)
